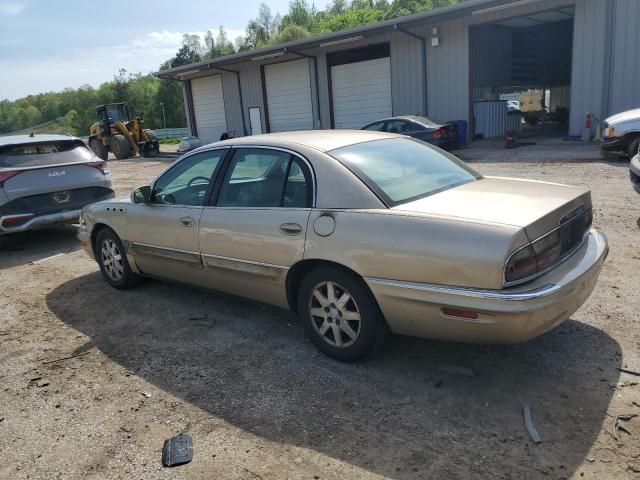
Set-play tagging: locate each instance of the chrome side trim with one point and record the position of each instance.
(164, 252)
(511, 296)
(241, 265)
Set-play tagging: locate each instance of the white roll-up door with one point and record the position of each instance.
(208, 106)
(289, 96)
(361, 92)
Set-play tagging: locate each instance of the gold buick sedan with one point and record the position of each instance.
(361, 233)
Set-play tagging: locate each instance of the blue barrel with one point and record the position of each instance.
(462, 130)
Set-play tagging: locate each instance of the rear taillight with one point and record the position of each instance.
(102, 166)
(439, 133)
(4, 176)
(549, 250)
(521, 264)
(15, 220)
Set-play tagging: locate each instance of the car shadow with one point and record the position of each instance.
(33, 246)
(396, 414)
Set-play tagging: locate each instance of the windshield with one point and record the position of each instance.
(400, 170)
(44, 154)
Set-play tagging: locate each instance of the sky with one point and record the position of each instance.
(49, 45)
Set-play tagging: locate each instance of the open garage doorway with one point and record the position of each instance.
(520, 75)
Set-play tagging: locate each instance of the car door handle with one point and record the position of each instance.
(187, 221)
(291, 228)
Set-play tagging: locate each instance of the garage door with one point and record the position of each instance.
(361, 92)
(208, 106)
(289, 96)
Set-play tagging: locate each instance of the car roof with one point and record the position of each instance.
(323, 140)
(414, 118)
(36, 138)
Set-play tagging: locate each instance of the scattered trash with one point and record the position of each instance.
(455, 370)
(617, 426)
(46, 259)
(146, 394)
(202, 316)
(126, 429)
(630, 372)
(177, 450)
(529, 424)
(65, 358)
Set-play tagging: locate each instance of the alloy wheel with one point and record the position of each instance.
(334, 314)
(112, 260)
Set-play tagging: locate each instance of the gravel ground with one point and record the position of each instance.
(261, 403)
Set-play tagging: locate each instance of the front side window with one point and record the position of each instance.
(187, 182)
(264, 178)
(400, 170)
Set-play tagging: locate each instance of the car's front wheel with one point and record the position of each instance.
(340, 315)
(112, 260)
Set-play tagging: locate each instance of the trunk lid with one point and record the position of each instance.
(537, 207)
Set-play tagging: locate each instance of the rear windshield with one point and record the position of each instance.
(44, 154)
(400, 170)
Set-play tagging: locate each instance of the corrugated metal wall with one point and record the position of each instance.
(491, 56)
(492, 120)
(587, 78)
(625, 71)
(448, 72)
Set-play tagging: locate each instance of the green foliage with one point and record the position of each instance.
(169, 141)
(73, 110)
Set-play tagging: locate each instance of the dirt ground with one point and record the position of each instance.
(261, 403)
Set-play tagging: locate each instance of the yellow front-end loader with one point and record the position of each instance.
(116, 132)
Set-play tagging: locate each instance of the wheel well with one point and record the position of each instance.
(97, 228)
(300, 269)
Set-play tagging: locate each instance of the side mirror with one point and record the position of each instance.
(141, 194)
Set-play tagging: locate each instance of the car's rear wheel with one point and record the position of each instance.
(99, 148)
(120, 147)
(112, 260)
(340, 315)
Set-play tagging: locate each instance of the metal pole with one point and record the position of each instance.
(164, 119)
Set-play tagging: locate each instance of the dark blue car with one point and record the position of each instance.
(443, 135)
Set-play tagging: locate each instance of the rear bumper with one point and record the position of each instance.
(40, 221)
(504, 316)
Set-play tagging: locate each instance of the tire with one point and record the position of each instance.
(632, 149)
(120, 146)
(99, 149)
(111, 257)
(332, 325)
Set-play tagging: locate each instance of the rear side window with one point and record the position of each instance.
(44, 154)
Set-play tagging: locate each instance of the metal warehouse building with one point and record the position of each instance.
(442, 63)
